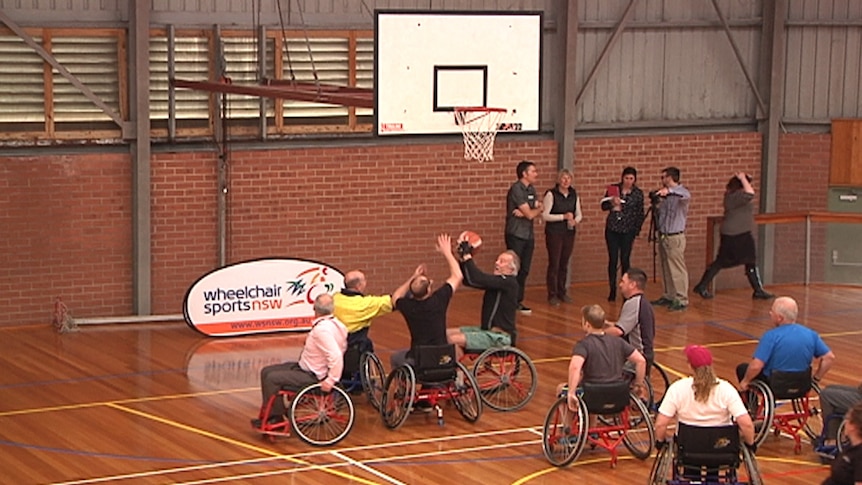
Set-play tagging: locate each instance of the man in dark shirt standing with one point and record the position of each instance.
(522, 206)
(499, 303)
(424, 310)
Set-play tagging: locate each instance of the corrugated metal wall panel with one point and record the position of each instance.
(667, 64)
(823, 61)
(190, 63)
(329, 59)
(22, 96)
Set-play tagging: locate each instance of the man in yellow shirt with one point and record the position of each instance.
(356, 310)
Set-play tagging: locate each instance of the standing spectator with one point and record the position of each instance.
(737, 243)
(562, 213)
(625, 209)
(522, 206)
(672, 202)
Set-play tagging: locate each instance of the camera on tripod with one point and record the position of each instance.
(654, 197)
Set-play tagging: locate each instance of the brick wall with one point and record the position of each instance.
(67, 219)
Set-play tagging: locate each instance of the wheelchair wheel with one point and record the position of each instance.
(506, 378)
(398, 396)
(373, 378)
(657, 383)
(843, 441)
(564, 432)
(751, 467)
(321, 418)
(640, 433)
(662, 467)
(813, 426)
(761, 407)
(465, 394)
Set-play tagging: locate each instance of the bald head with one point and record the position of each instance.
(355, 280)
(785, 309)
(323, 305)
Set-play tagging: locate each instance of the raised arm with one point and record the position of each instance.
(402, 290)
(444, 247)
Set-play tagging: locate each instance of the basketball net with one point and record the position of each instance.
(479, 126)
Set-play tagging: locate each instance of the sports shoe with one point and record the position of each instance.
(554, 301)
(662, 302)
(567, 299)
(524, 309)
(676, 306)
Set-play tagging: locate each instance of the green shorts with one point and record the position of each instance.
(478, 339)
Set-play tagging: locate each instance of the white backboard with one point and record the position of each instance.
(428, 63)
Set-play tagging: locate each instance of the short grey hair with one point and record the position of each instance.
(324, 304)
(787, 308)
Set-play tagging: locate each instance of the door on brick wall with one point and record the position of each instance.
(844, 253)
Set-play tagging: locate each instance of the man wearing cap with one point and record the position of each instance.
(789, 347)
(702, 399)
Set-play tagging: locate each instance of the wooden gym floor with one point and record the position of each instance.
(160, 403)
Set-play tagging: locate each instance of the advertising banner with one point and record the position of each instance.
(259, 296)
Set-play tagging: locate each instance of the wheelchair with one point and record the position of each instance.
(363, 371)
(434, 378)
(828, 452)
(319, 418)
(506, 376)
(704, 455)
(657, 383)
(621, 417)
(789, 403)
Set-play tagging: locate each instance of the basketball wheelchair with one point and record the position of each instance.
(319, 418)
(704, 455)
(657, 383)
(433, 377)
(618, 416)
(788, 403)
(363, 371)
(506, 376)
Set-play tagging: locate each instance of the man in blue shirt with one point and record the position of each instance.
(672, 209)
(789, 347)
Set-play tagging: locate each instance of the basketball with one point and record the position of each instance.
(471, 237)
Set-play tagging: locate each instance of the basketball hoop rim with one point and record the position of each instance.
(481, 109)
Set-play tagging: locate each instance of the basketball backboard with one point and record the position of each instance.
(428, 63)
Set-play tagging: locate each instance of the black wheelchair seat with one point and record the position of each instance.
(606, 397)
(708, 446)
(434, 363)
(790, 385)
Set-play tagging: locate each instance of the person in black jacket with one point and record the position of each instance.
(625, 207)
(499, 303)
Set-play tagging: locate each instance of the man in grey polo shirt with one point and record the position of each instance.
(673, 200)
(522, 206)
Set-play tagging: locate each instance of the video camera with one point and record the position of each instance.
(654, 197)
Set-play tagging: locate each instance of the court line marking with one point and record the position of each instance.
(225, 439)
(367, 468)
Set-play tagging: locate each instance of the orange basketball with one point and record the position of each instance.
(471, 237)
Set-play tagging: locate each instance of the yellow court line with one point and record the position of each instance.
(539, 473)
(234, 442)
(69, 407)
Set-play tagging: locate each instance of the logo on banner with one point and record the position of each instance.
(259, 296)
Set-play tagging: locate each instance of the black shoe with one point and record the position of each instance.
(567, 299)
(525, 310)
(662, 302)
(703, 292)
(762, 295)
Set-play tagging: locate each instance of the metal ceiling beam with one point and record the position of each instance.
(126, 127)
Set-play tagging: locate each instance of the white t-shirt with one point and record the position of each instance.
(723, 403)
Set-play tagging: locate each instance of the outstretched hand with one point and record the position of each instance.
(420, 270)
(444, 243)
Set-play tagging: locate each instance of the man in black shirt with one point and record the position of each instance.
(424, 310)
(499, 303)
